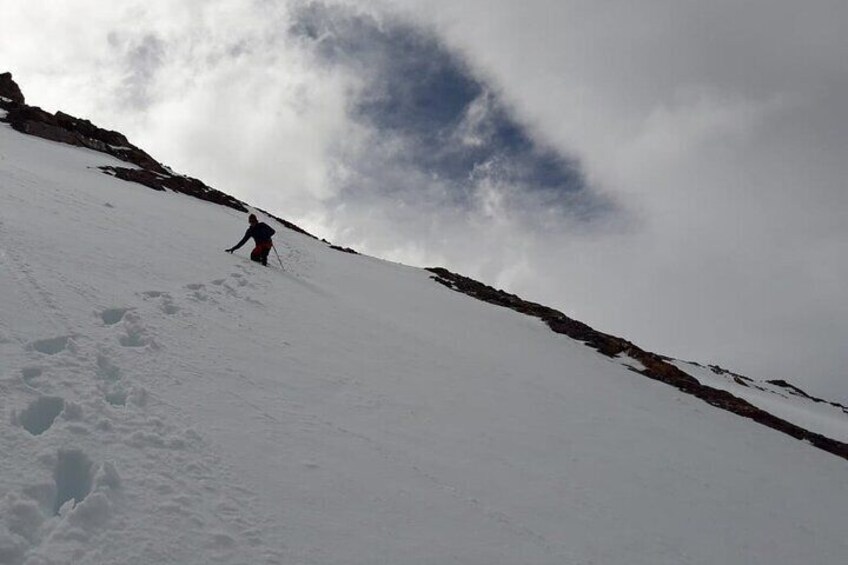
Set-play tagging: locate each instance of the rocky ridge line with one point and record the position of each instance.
(657, 367)
(68, 129)
(788, 387)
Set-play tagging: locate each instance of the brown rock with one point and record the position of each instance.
(657, 367)
(183, 185)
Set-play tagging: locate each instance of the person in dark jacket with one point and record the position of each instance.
(261, 234)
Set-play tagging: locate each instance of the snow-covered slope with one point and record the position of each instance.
(779, 398)
(165, 402)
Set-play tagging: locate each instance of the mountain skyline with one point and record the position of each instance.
(146, 171)
(165, 401)
(677, 179)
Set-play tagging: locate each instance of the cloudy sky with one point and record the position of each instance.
(673, 171)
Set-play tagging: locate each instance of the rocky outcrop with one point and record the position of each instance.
(176, 183)
(147, 171)
(9, 89)
(798, 392)
(344, 249)
(65, 128)
(656, 367)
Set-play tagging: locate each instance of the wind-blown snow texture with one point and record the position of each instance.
(165, 402)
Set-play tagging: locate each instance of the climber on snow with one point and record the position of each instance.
(261, 234)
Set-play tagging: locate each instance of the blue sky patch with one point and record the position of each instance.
(451, 127)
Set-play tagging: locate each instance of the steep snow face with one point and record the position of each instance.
(786, 402)
(165, 402)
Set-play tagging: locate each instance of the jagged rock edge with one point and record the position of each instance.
(64, 128)
(10, 90)
(789, 387)
(184, 185)
(657, 367)
(68, 129)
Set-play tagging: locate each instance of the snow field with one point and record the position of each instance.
(165, 402)
(97, 459)
(822, 418)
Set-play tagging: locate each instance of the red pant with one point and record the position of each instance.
(261, 251)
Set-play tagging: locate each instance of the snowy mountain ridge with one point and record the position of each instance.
(151, 173)
(661, 368)
(197, 408)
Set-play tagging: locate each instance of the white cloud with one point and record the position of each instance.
(720, 126)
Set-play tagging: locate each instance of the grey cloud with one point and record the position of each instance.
(437, 132)
(671, 171)
(722, 124)
(141, 57)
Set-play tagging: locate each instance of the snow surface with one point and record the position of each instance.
(822, 418)
(166, 402)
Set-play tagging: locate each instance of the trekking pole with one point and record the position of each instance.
(274, 247)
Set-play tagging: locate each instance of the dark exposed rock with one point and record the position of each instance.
(68, 129)
(183, 185)
(657, 367)
(9, 89)
(344, 249)
(737, 378)
(798, 392)
(65, 128)
(87, 129)
(793, 389)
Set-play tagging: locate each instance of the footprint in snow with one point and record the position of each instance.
(240, 279)
(112, 316)
(29, 374)
(153, 293)
(106, 370)
(116, 396)
(166, 302)
(133, 338)
(51, 346)
(198, 292)
(135, 333)
(40, 414)
(168, 307)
